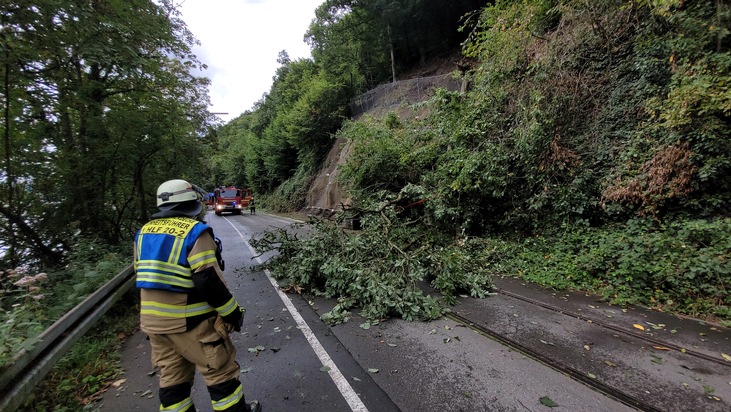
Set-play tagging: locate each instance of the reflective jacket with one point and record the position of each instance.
(162, 247)
(178, 276)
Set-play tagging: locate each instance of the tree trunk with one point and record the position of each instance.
(49, 256)
(393, 60)
(12, 257)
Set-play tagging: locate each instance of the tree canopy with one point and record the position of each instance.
(356, 45)
(99, 106)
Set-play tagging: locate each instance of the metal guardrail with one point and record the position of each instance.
(28, 369)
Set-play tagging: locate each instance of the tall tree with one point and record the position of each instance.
(99, 106)
(367, 42)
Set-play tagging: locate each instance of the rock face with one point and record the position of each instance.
(325, 195)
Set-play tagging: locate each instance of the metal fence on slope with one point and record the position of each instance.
(402, 93)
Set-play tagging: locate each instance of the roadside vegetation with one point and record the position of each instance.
(97, 103)
(91, 366)
(31, 302)
(590, 151)
(681, 267)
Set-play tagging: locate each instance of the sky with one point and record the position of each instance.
(240, 41)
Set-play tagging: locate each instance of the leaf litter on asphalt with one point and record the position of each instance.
(546, 401)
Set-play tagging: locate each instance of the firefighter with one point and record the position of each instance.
(187, 309)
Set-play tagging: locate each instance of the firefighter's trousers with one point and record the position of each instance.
(208, 348)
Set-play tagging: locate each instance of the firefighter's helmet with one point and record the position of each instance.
(179, 195)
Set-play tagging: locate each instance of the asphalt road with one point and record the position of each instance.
(292, 361)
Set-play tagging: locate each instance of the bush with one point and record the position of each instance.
(682, 266)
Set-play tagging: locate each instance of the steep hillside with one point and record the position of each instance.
(325, 194)
(417, 85)
(590, 152)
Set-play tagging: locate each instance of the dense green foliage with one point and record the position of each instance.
(356, 45)
(564, 124)
(592, 148)
(382, 271)
(682, 266)
(98, 106)
(368, 42)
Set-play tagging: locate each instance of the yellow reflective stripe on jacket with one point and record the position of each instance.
(148, 307)
(166, 279)
(181, 406)
(228, 308)
(176, 250)
(139, 250)
(230, 400)
(150, 265)
(200, 259)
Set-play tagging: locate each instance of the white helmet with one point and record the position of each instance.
(180, 195)
(175, 191)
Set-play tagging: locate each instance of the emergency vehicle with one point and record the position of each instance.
(231, 199)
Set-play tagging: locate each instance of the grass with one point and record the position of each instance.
(91, 365)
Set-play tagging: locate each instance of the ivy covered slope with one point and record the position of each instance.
(591, 151)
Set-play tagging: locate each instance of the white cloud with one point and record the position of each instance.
(240, 42)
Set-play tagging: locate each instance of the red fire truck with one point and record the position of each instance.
(231, 199)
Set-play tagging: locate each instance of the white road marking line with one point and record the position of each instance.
(356, 405)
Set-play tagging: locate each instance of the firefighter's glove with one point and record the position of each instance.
(219, 256)
(235, 318)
